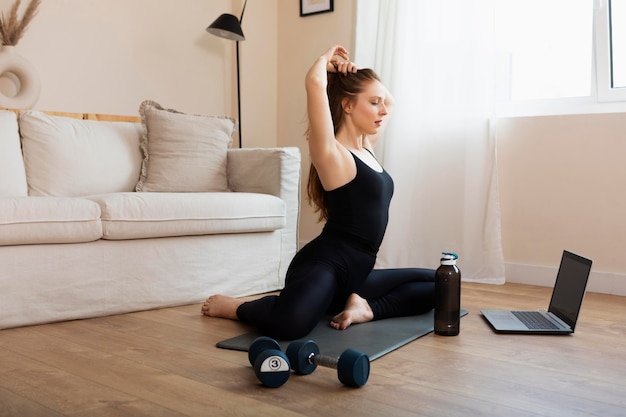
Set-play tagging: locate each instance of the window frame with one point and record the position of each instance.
(603, 97)
(602, 43)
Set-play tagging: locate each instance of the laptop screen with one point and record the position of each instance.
(569, 288)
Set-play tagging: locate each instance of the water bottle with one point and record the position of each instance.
(447, 296)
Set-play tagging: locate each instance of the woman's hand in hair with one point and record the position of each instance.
(337, 59)
(344, 67)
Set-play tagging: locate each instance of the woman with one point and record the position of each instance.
(334, 273)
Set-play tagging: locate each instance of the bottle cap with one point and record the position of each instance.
(449, 258)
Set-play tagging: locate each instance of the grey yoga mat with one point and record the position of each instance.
(375, 338)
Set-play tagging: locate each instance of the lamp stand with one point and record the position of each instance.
(238, 97)
(228, 26)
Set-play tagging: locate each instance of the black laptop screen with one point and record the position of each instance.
(569, 288)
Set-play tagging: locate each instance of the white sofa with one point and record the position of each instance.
(77, 239)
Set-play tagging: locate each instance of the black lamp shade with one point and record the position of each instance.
(227, 26)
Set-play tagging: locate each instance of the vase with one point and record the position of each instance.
(22, 73)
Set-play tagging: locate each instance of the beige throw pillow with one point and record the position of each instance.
(183, 152)
(74, 157)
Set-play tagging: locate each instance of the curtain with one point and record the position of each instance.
(437, 59)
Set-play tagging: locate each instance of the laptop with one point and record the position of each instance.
(562, 314)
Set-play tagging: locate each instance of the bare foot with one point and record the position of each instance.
(221, 306)
(357, 310)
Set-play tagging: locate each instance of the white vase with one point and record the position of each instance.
(22, 73)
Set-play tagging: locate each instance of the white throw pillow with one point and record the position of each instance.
(183, 152)
(12, 174)
(73, 157)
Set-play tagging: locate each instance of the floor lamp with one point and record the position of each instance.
(227, 26)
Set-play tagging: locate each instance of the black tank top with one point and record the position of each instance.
(359, 210)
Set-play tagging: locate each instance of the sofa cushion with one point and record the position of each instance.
(73, 157)
(183, 152)
(149, 215)
(12, 174)
(42, 220)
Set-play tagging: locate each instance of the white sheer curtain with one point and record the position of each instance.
(437, 59)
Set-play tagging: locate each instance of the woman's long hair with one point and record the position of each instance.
(339, 87)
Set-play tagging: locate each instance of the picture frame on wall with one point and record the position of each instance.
(311, 7)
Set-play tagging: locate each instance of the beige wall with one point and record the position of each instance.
(560, 176)
(106, 56)
(561, 180)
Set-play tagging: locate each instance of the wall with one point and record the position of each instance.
(107, 56)
(560, 176)
(561, 180)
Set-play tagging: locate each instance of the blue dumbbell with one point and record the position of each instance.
(270, 364)
(353, 367)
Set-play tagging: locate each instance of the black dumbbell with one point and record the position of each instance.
(353, 367)
(270, 364)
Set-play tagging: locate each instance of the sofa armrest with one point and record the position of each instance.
(274, 171)
(264, 170)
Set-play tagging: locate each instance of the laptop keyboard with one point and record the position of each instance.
(534, 320)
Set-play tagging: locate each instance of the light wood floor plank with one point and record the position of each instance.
(165, 363)
(12, 404)
(62, 392)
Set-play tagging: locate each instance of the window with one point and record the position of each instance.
(617, 32)
(544, 48)
(610, 22)
(546, 51)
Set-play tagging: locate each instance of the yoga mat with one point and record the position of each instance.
(375, 338)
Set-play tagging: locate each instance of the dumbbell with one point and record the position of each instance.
(353, 367)
(271, 365)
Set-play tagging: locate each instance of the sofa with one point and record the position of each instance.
(108, 215)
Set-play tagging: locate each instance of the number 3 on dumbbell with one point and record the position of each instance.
(272, 368)
(271, 365)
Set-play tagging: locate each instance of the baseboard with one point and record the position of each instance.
(601, 282)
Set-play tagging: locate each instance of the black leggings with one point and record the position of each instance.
(322, 276)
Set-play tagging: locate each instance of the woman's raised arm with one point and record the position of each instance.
(322, 144)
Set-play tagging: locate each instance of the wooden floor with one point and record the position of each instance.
(165, 363)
